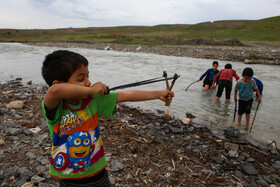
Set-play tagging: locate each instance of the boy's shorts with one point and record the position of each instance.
(244, 106)
(209, 82)
(224, 84)
(101, 180)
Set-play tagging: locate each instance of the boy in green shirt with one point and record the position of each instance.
(246, 86)
(71, 107)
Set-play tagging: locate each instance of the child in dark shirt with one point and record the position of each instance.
(259, 84)
(210, 74)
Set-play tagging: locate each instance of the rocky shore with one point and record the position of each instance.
(248, 54)
(143, 148)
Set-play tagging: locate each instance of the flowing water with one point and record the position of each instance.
(117, 68)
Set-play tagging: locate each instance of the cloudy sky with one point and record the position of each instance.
(49, 14)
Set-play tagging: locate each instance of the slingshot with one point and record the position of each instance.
(175, 77)
(149, 81)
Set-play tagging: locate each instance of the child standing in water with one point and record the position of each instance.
(225, 81)
(259, 84)
(210, 74)
(246, 86)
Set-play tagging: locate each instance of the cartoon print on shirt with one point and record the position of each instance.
(79, 149)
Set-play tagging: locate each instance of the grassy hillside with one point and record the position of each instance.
(265, 31)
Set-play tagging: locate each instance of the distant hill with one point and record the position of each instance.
(264, 31)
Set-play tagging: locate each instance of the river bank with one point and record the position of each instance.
(142, 148)
(248, 54)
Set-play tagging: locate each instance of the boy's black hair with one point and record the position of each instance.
(228, 66)
(215, 62)
(248, 72)
(60, 65)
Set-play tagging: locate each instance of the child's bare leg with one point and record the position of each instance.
(239, 120)
(206, 87)
(247, 121)
(217, 98)
(227, 100)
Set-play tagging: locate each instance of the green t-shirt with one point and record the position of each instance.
(77, 148)
(246, 89)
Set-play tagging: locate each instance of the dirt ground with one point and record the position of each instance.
(142, 153)
(149, 160)
(231, 50)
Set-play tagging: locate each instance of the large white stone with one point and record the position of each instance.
(28, 184)
(15, 104)
(35, 130)
(186, 121)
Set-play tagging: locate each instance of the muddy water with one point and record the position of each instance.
(117, 68)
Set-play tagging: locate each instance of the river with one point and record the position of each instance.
(116, 68)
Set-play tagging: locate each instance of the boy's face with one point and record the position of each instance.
(215, 67)
(246, 78)
(80, 76)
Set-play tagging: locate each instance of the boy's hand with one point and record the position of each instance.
(212, 87)
(166, 96)
(198, 80)
(260, 99)
(99, 88)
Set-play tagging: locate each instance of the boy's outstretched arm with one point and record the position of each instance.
(141, 95)
(259, 94)
(203, 75)
(70, 91)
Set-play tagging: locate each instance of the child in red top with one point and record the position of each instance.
(225, 81)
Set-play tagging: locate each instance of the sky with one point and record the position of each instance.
(51, 14)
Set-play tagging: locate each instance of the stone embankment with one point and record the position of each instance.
(247, 54)
(143, 148)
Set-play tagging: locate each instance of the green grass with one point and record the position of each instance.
(261, 32)
(257, 56)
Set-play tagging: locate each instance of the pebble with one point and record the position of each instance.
(276, 166)
(233, 154)
(31, 155)
(231, 146)
(267, 179)
(249, 169)
(28, 184)
(176, 130)
(189, 115)
(232, 132)
(15, 104)
(117, 165)
(37, 179)
(21, 182)
(167, 116)
(186, 121)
